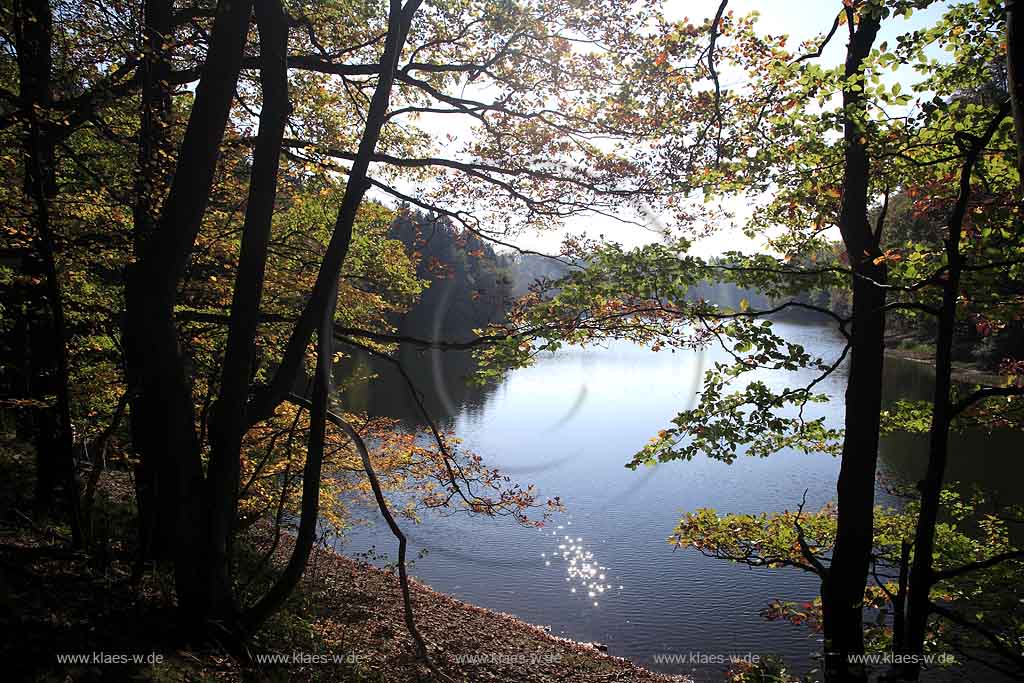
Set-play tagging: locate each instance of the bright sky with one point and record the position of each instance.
(801, 20)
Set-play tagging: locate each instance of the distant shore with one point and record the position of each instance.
(965, 373)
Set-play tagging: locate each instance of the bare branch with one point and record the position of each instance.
(805, 549)
(715, 29)
(983, 393)
(994, 639)
(975, 566)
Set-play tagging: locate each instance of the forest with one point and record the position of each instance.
(281, 280)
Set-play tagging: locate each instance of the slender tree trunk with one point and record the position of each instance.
(921, 572)
(318, 315)
(938, 449)
(155, 116)
(899, 604)
(310, 510)
(63, 442)
(54, 443)
(169, 443)
(33, 37)
(843, 594)
(1015, 74)
(851, 557)
(228, 424)
(281, 385)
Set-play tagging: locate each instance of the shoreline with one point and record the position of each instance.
(964, 373)
(360, 605)
(345, 621)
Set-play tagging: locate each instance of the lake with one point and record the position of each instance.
(568, 425)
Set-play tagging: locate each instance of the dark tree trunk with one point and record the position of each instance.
(843, 593)
(310, 510)
(228, 424)
(931, 487)
(34, 44)
(281, 385)
(921, 571)
(164, 425)
(899, 603)
(319, 315)
(149, 188)
(54, 437)
(1015, 74)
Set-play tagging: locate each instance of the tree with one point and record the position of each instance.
(198, 403)
(1015, 76)
(843, 586)
(786, 147)
(33, 37)
(235, 265)
(168, 443)
(975, 564)
(978, 257)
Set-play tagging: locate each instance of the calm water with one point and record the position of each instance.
(568, 425)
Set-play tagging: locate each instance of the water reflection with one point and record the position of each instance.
(989, 460)
(581, 568)
(442, 378)
(618, 518)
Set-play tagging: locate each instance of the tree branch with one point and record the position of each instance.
(983, 393)
(985, 633)
(975, 566)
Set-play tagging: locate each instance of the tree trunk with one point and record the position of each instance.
(228, 424)
(284, 378)
(921, 576)
(931, 487)
(154, 122)
(843, 596)
(319, 315)
(856, 487)
(164, 423)
(310, 510)
(1015, 75)
(899, 604)
(54, 442)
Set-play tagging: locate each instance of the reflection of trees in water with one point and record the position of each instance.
(907, 380)
(990, 460)
(442, 378)
(975, 457)
(469, 286)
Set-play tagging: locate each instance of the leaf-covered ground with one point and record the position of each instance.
(56, 602)
(358, 610)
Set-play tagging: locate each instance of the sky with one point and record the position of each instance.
(801, 20)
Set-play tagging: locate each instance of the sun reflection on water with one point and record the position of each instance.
(583, 572)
